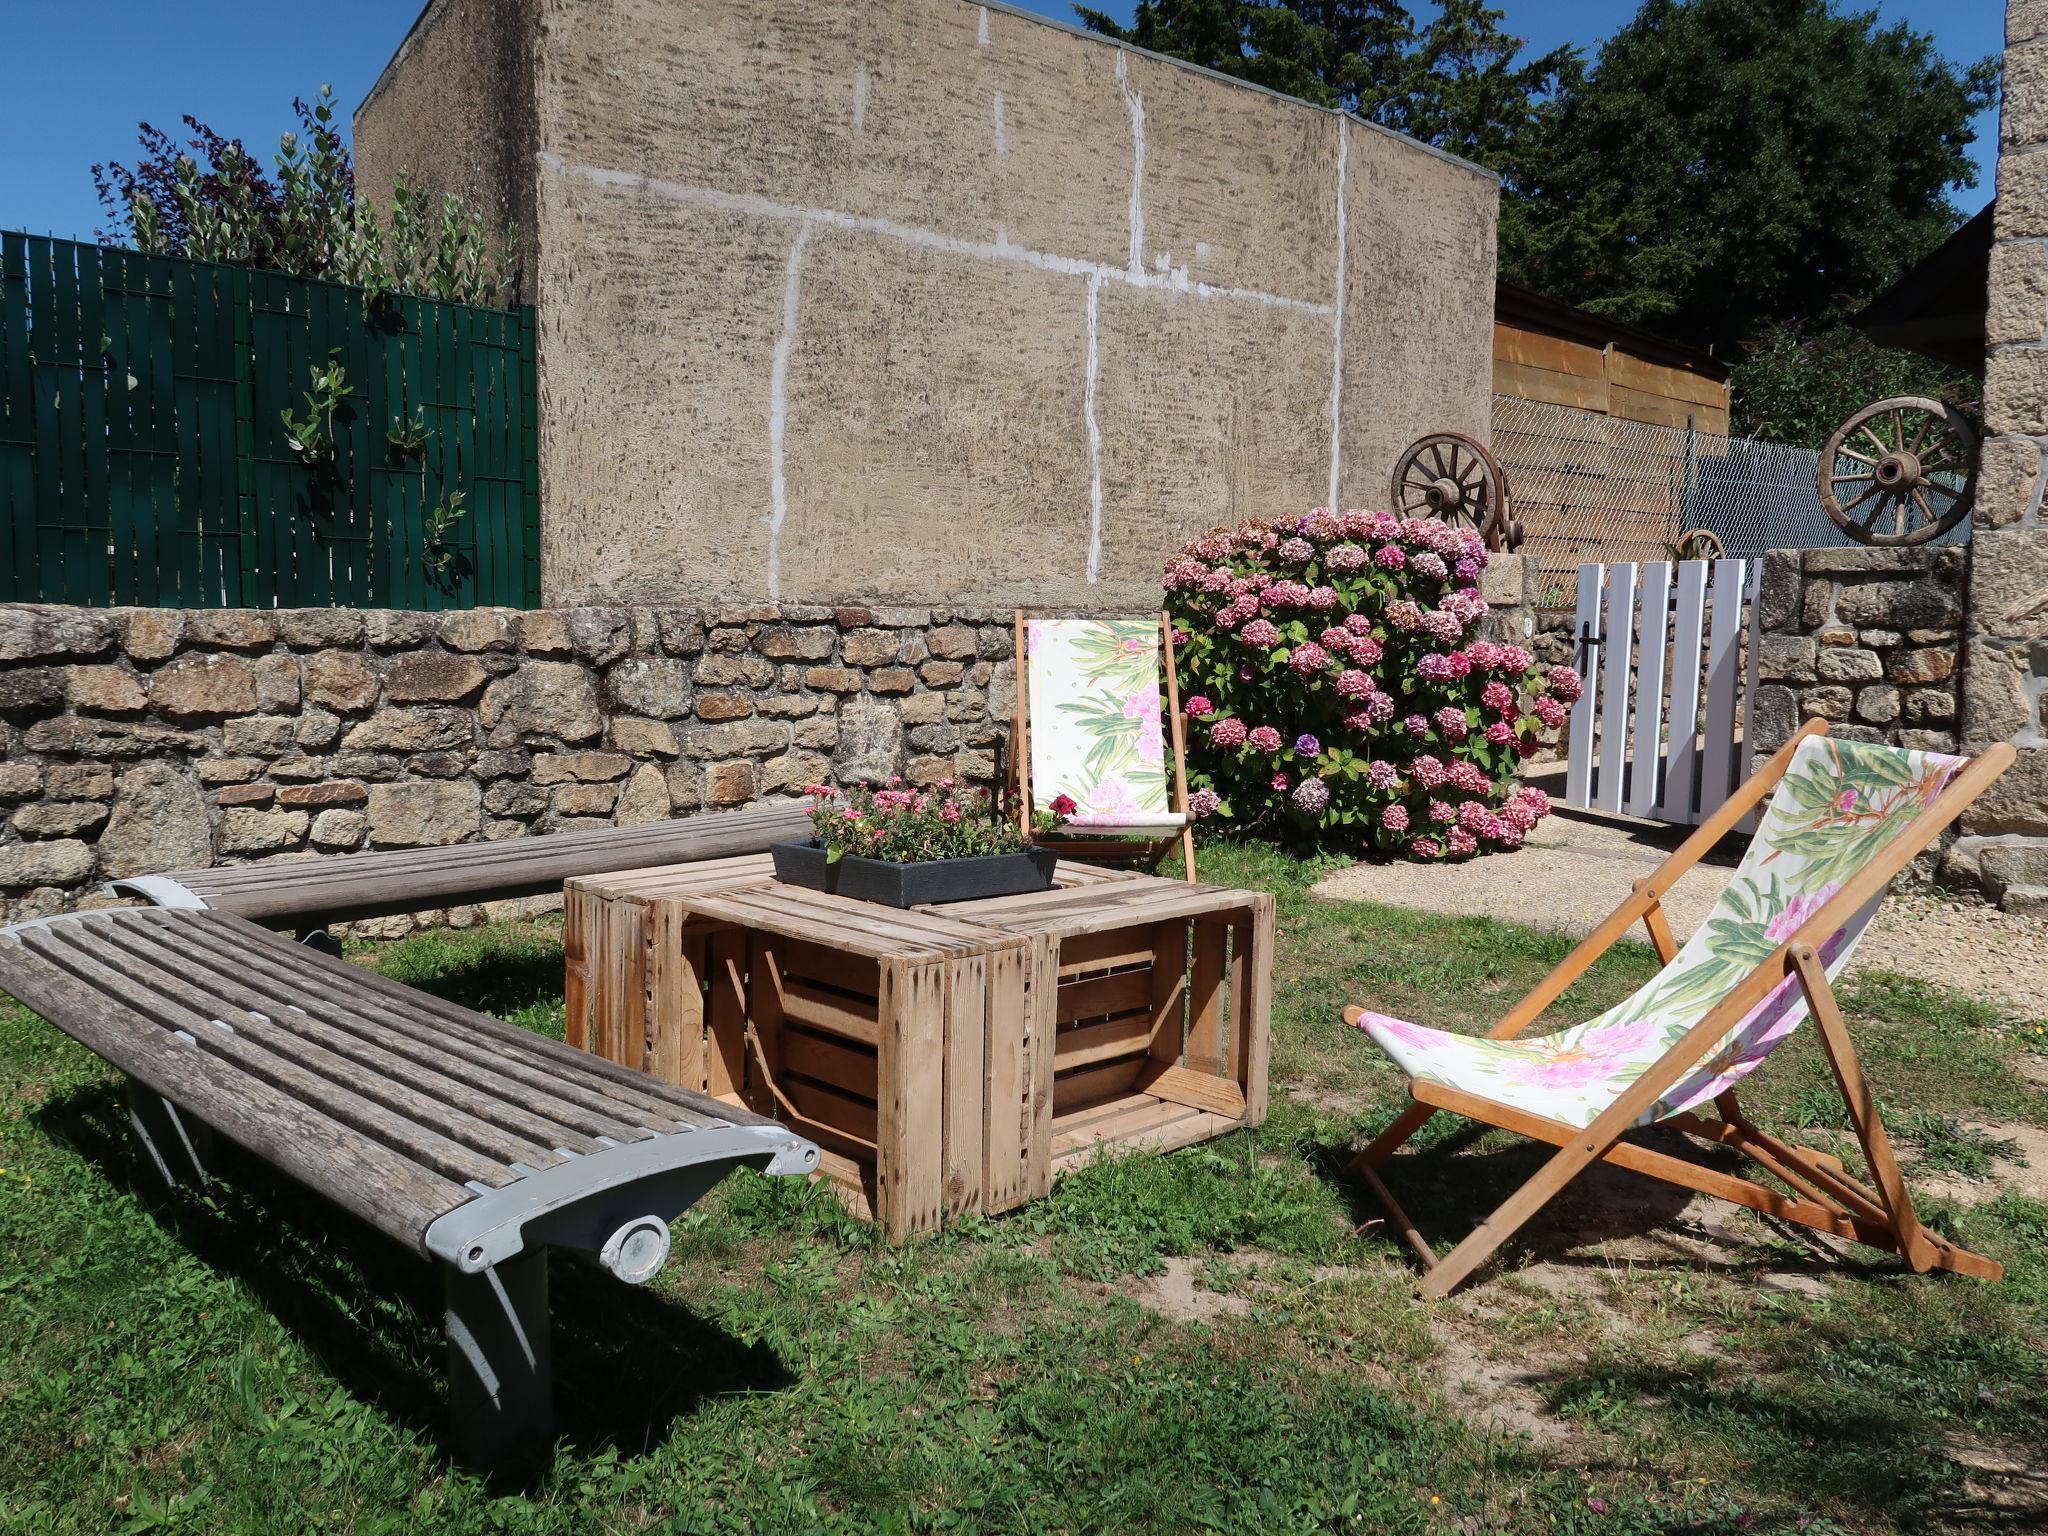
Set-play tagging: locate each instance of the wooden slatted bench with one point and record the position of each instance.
(472, 1142)
(308, 894)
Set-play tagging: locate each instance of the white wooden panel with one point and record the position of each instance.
(1724, 685)
(1654, 610)
(1751, 582)
(1617, 632)
(1682, 766)
(1578, 780)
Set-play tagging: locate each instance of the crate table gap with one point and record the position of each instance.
(947, 1059)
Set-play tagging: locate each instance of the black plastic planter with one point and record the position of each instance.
(915, 885)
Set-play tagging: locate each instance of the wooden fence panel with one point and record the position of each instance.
(143, 459)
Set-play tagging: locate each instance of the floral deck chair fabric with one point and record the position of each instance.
(1840, 808)
(1096, 734)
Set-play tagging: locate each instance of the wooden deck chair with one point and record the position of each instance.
(1845, 818)
(1088, 726)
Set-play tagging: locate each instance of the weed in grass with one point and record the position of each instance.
(1945, 1145)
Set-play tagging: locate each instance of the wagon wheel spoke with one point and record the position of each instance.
(1851, 506)
(1847, 452)
(1883, 447)
(1852, 479)
(1920, 501)
(1920, 435)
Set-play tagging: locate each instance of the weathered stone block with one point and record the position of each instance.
(545, 698)
(300, 769)
(333, 792)
(732, 640)
(277, 682)
(685, 786)
(833, 679)
(1930, 706)
(412, 730)
(643, 798)
(74, 781)
(500, 765)
(934, 738)
(2016, 378)
(195, 686)
(584, 799)
(18, 781)
(1868, 560)
(340, 680)
(734, 738)
(422, 677)
(339, 829)
(783, 644)
(1898, 604)
(922, 709)
(869, 647)
(823, 732)
(590, 767)
(941, 674)
(792, 772)
(729, 783)
(104, 690)
(681, 631)
(231, 629)
(76, 736)
(152, 634)
(62, 862)
(228, 770)
(318, 629)
(245, 795)
(391, 629)
(1827, 703)
(247, 831)
(429, 814)
(2009, 584)
(600, 635)
(870, 742)
(787, 706)
(509, 797)
(59, 818)
(1786, 659)
(27, 692)
(892, 680)
(1836, 634)
(903, 618)
(159, 822)
(724, 706)
(317, 729)
(749, 613)
(2008, 480)
(1840, 665)
(543, 632)
(734, 671)
(1878, 705)
(2018, 291)
(2016, 801)
(853, 617)
(1779, 591)
(1922, 666)
(479, 629)
(643, 738)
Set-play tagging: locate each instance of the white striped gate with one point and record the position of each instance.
(1658, 732)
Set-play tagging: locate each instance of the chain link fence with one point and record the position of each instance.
(1596, 488)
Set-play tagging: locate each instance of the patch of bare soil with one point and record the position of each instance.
(1335, 1101)
(2007, 1486)
(2029, 1177)
(1502, 1393)
(1177, 1293)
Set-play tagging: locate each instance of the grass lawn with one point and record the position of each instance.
(1191, 1342)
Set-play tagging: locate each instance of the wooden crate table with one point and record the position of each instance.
(946, 1059)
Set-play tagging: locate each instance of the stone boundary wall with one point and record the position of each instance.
(136, 740)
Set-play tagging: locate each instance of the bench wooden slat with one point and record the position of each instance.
(389, 1191)
(430, 1097)
(336, 888)
(481, 1048)
(61, 947)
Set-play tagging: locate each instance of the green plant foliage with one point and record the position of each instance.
(1797, 384)
(211, 201)
(311, 436)
(1730, 163)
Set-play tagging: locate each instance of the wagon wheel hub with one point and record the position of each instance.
(1899, 472)
(1444, 495)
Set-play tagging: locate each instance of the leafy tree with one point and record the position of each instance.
(211, 200)
(1455, 83)
(1797, 385)
(1728, 164)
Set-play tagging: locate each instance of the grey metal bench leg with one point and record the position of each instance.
(179, 1146)
(500, 1365)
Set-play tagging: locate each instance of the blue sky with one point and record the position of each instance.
(76, 75)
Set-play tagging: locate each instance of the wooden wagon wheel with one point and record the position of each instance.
(1449, 477)
(1902, 471)
(1699, 544)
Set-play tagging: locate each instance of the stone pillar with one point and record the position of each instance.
(2005, 662)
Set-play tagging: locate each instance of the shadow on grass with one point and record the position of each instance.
(628, 1363)
(496, 979)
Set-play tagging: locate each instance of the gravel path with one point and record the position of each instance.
(1575, 869)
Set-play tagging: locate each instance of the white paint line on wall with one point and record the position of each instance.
(1000, 249)
(778, 408)
(1002, 144)
(1134, 103)
(1337, 326)
(981, 36)
(1094, 437)
(860, 99)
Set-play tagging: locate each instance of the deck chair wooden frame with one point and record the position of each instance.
(1825, 1196)
(1150, 851)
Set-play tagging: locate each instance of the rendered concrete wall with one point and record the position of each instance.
(918, 300)
(2005, 658)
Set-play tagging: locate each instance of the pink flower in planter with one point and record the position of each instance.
(1466, 569)
(1353, 684)
(1204, 802)
(1497, 696)
(1443, 627)
(1450, 720)
(1403, 614)
(1431, 565)
(1227, 732)
(1550, 711)
(1358, 623)
(1264, 738)
(1312, 796)
(1199, 707)
(1460, 842)
(1442, 810)
(1381, 774)
(1367, 651)
(1395, 818)
(1345, 558)
(1426, 848)
(1296, 550)
(1308, 658)
(1260, 632)
(1469, 776)
(1278, 783)
(1416, 725)
(1217, 580)
(1565, 683)
(1389, 557)
(1322, 598)
(1500, 733)
(1429, 771)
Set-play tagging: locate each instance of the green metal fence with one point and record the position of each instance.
(143, 461)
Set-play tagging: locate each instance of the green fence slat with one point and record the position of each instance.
(142, 459)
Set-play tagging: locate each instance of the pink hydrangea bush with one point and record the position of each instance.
(1336, 685)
